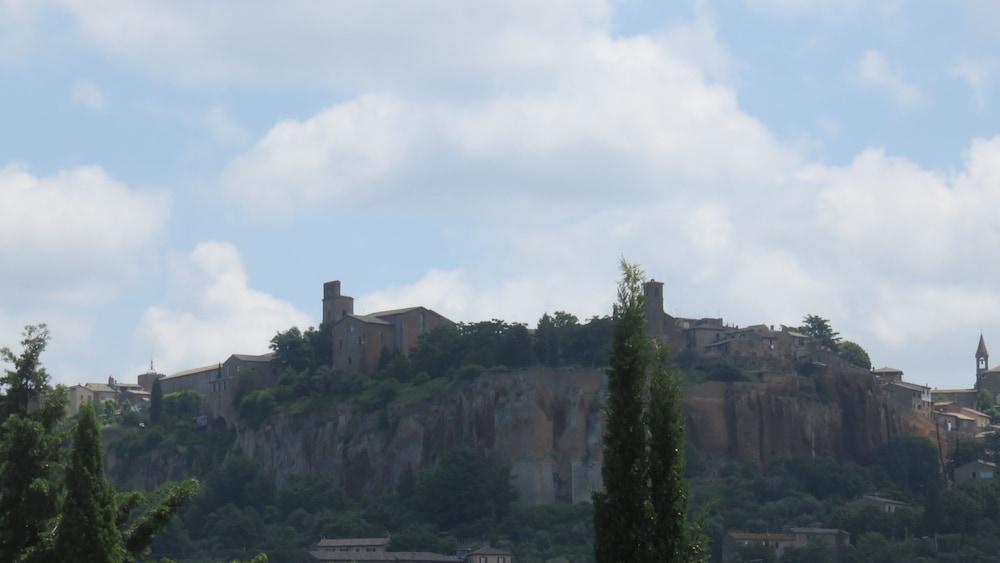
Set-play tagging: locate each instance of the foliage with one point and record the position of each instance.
(31, 455)
(622, 512)
(818, 329)
(464, 490)
(854, 354)
(87, 524)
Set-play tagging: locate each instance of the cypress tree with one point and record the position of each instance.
(156, 402)
(87, 531)
(622, 512)
(673, 537)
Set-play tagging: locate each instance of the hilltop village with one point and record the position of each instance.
(357, 342)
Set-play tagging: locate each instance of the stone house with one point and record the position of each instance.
(955, 422)
(351, 550)
(359, 340)
(981, 419)
(884, 504)
(753, 347)
(963, 397)
(909, 395)
(975, 470)
(734, 542)
(887, 375)
(97, 393)
(829, 537)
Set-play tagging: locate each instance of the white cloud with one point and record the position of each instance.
(873, 70)
(74, 235)
(224, 128)
(620, 112)
(977, 74)
(213, 311)
(835, 9)
(88, 95)
(352, 45)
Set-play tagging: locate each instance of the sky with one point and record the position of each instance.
(178, 179)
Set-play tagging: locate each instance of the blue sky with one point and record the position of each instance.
(177, 180)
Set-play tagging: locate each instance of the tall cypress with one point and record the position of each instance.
(674, 539)
(87, 531)
(622, 512)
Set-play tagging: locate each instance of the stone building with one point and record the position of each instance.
(987, 379)
(752, 347)
(122, 394)
(359, 340)
(975, 470)
(358, 550)
(887, 374)
(909, 395)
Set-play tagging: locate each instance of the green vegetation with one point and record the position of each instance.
(46, 513)
(466, 498)
(642, 513)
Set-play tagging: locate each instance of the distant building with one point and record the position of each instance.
(963, 397)
(735, 542)
(359, 550)
(98, 393)
(980, 419)
(887, 375)
(829, 537)
(359, 340)
(975, 470)
(884, 504)
(753, 347)
(909, 395)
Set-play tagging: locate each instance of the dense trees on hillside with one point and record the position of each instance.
(46, 513)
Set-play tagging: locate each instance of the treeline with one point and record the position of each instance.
(466, 498)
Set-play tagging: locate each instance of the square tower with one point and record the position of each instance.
(335, 305)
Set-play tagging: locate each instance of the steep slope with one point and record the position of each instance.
(547, 424)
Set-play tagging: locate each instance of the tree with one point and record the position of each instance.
(854, 354)
(28, 380)
(674, 539)
(87, 529)
(30, 447)
(622, 512)
(156, 403)
(819, 330)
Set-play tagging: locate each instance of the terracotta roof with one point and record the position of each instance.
(392, 312)
(887, 370)
(351, 542)
(99, 387)
(369, 319)
(192, 371)
(910, 386)
(254, 358)
(817, 531)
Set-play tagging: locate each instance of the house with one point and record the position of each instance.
(352, 545)
(962, 397)
(489, 555)
(829, 537)
(98, 393)
(884, 504)
(981, 419)
(975, 470)
(955, 422)
(349, 550)
(735, 542)
(887, 374)
(909, 395)
(359, 340)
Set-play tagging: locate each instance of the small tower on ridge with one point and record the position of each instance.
(982, 357)
(335, 305)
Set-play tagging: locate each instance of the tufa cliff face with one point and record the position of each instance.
(547, 424)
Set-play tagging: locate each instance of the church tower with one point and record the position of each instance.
(982, 357)
(335, 305)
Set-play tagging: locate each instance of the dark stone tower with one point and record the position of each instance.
(982, 357)
(653, 291)
(335, 305)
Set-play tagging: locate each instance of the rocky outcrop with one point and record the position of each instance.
(547, 424)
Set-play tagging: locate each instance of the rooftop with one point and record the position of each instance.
(752, 536)
(351, 542)
(407, 556)
(192, 371)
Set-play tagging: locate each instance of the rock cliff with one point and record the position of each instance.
(547, 424)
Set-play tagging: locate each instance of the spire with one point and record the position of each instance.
(981, 350)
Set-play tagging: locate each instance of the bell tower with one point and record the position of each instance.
(982, 357)
(335, 305)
